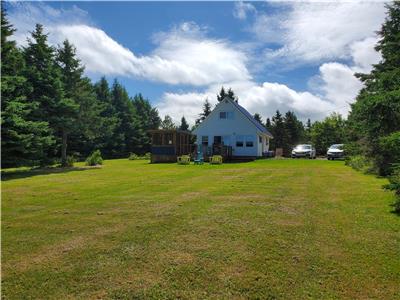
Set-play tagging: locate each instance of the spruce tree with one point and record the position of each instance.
(126, 135)
(167, 123)
(294, 131)
(44, 81)
(206, 111)
(375, 116)
(110, 121)
(184, 125)
(148, 119)
(24, 138)
(258, 118)
(278, 130)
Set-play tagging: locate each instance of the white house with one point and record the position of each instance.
(230, 124)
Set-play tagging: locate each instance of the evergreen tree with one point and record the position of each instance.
(110, 120)
(294, 131)
(167, 123)
(376, 113)
(148, 118)
(268, 124)
(24, 139)
(184, 125)
(44, 80)
(222, 94)
(258, 118)
(126, 135)
(79, 112)
(206, 111)
(278, 131)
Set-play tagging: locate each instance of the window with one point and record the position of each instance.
(260, 139)
(226, 115)
(239, 141)
(204, 140)
(249, 141)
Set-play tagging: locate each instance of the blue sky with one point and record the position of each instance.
(298, 56)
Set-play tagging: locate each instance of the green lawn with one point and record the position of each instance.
(285, 229)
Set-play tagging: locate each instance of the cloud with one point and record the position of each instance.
(313, 32)
(263, 98)
(183, 55)
(241, 9)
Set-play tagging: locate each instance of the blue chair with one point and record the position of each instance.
(199, 159)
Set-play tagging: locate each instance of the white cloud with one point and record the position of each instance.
(311, 32)
(241, 9)
(183, 55)
(264, 99)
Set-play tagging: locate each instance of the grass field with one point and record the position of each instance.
(285, 229)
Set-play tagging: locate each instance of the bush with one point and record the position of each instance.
(394, 185)
(360, 163)
(94, 159)
(134, 156)
(70, 161)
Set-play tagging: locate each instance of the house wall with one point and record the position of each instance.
(232, 130)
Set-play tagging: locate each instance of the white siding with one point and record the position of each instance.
(230, 129)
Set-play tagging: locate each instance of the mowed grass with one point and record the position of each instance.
(284, 229)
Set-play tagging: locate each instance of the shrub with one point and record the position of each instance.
(394, 185)
(94, 159)
(134, 156)
(70, 161)
(360, 163)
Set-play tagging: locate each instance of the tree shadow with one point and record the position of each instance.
(20, 174)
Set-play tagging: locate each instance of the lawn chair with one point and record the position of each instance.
(183, 160)
(216, 160)
(199, 158)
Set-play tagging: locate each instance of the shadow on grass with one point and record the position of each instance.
(19, 174)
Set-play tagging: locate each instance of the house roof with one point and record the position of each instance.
(250, 117)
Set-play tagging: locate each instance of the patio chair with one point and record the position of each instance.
(183, 160)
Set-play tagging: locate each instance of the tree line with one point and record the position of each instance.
(50, 110)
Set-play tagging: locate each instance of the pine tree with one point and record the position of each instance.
(110, 120)
(44, 80)
(184, 125)
(222, 94)
(294, 131)
(167, 123)
(278, 130)
(268, 124)
(126, 135)
(206, 111)
(24, 139)
(78, 110)
(148, 119)
(258, 118)
(375, 115)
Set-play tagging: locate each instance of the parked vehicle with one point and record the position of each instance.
(305, 150)
(335, 151)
